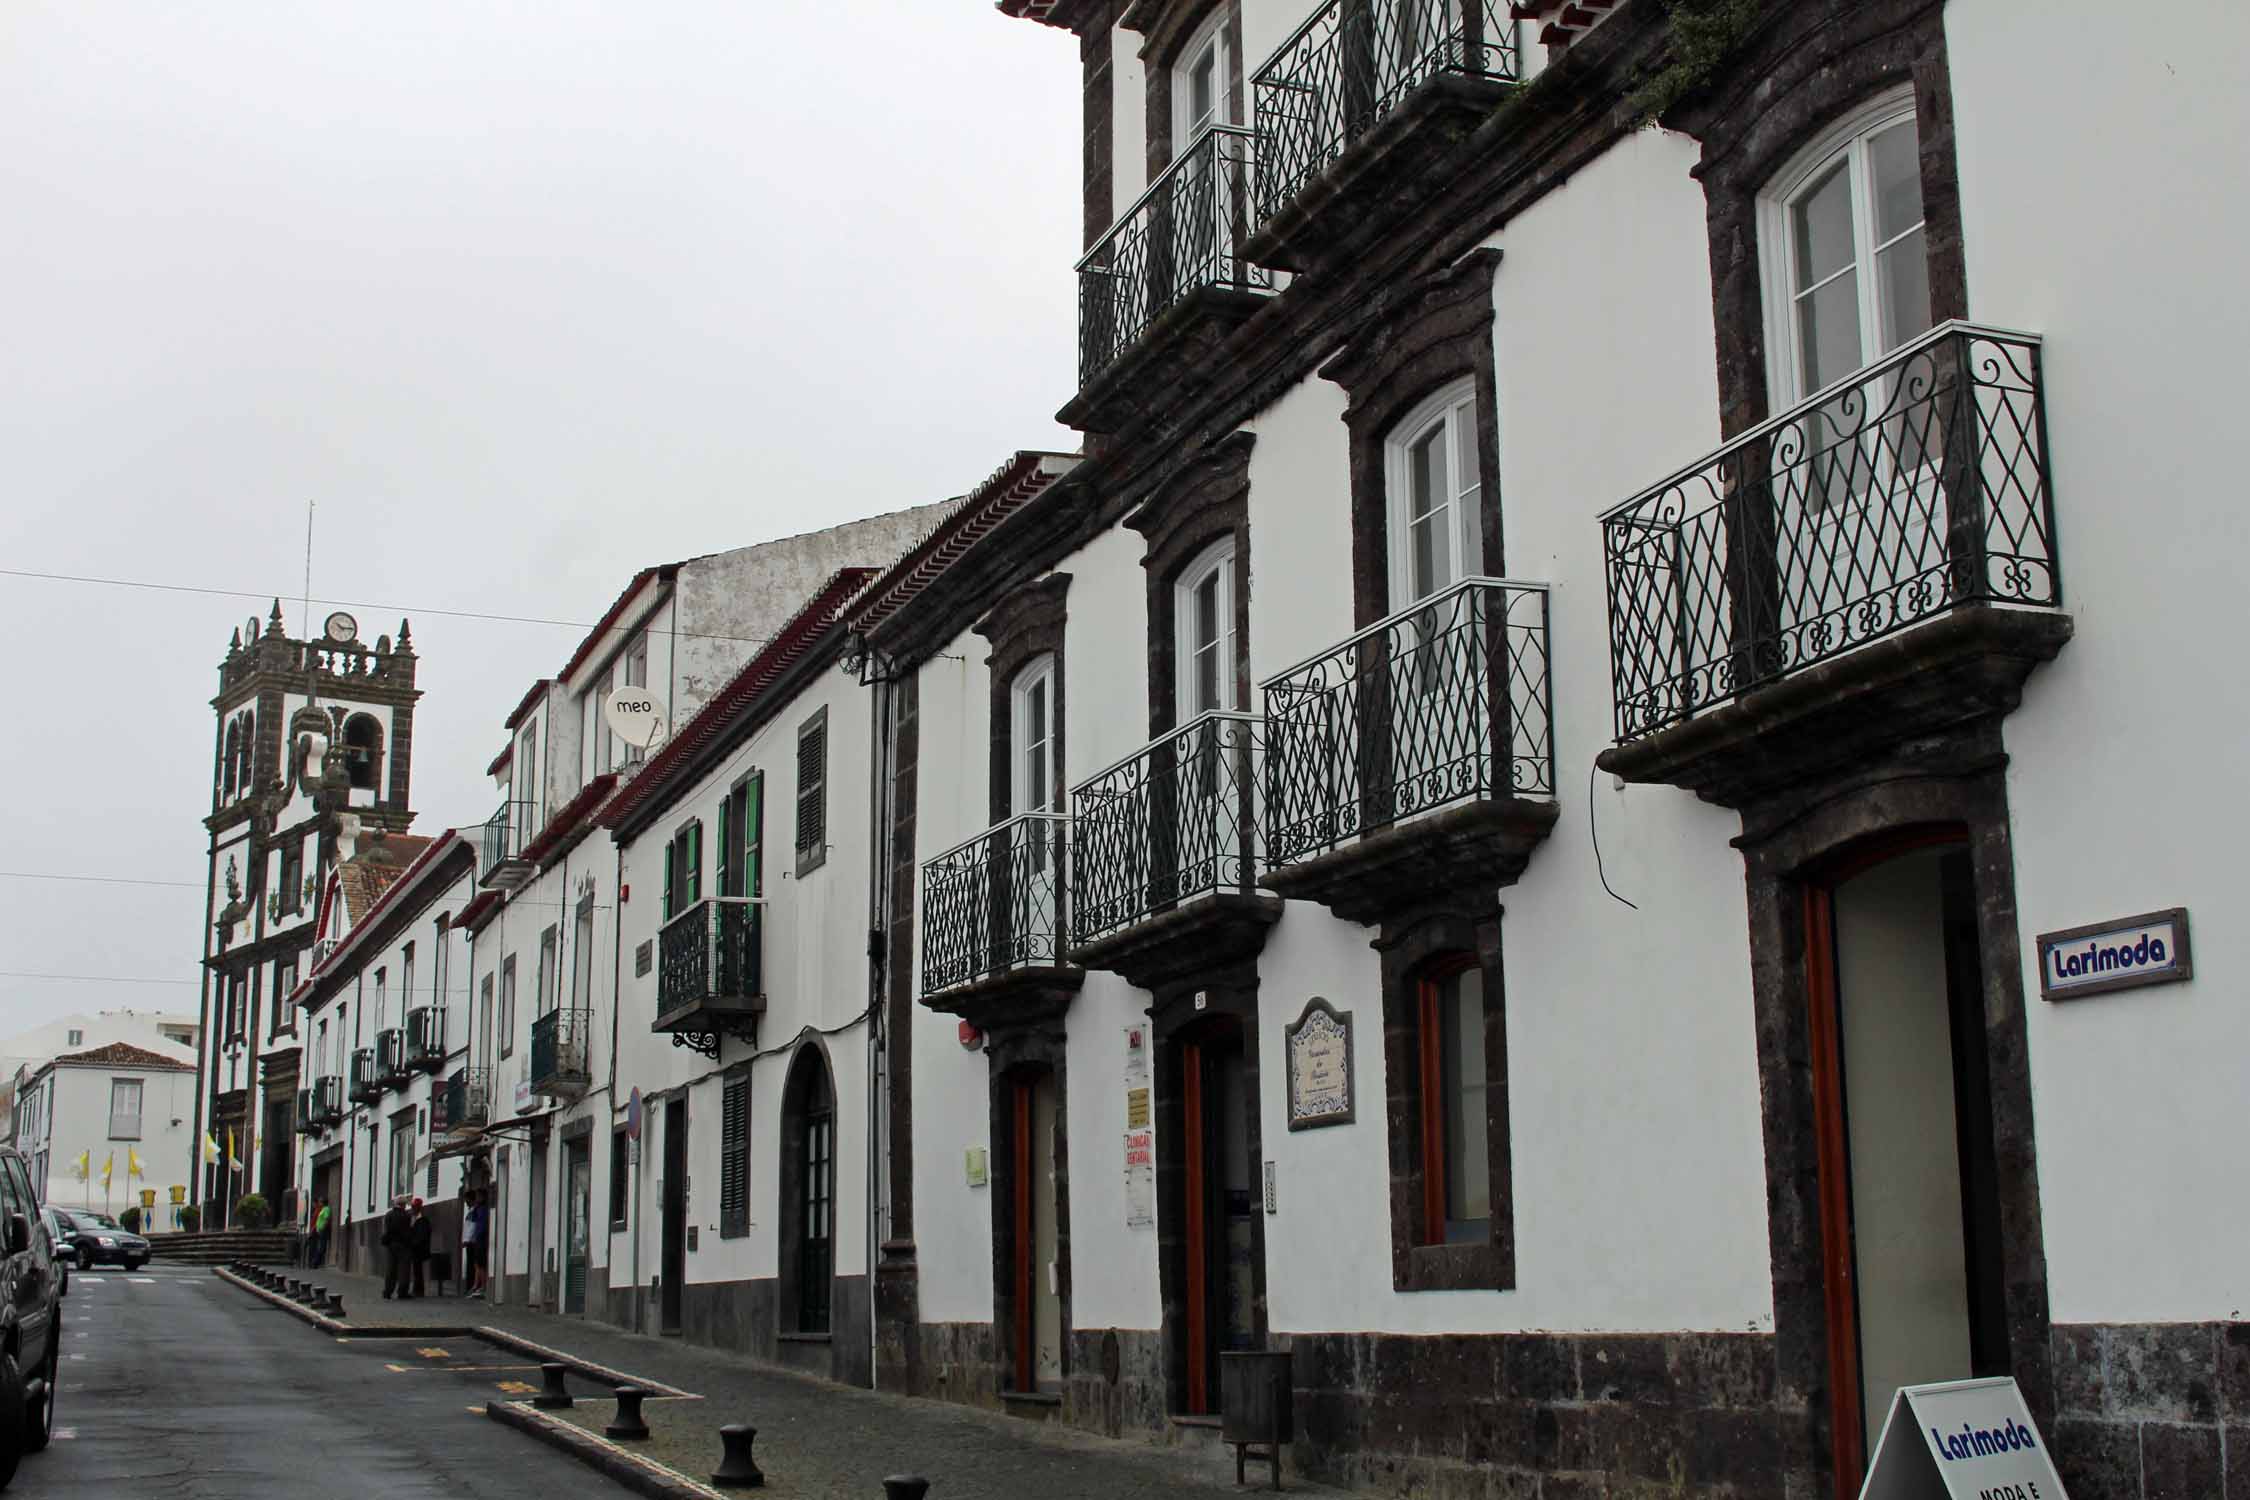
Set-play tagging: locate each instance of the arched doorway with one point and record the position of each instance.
(808, 1193)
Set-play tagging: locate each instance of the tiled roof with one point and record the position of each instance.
(570, 822)
(124, 1055)
(523, 709)
(802, 631)
(368, 874)
(664, 573)
(1005, 491)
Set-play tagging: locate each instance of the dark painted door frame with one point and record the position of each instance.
(672, 1264)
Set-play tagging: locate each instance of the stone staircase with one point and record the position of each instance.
(217, 1247)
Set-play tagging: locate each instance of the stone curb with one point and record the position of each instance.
(643, 1476)
(500, 1337)
(578, 1365)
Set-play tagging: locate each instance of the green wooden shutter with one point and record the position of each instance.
(754, 836)
(693, 883)
(734, 1158)
(671, 879)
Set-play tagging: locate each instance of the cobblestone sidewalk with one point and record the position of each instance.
(818, 1438)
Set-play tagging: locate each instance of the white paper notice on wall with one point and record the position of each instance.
(1140, 1179)
(1961, 1440)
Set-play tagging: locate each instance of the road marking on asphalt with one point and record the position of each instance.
(78, 1356)
(516, 1387)
(63, 1434)
(93, 1280)
(435, 1353)
(143, 1280)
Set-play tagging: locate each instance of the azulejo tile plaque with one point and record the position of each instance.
(1318, 1049)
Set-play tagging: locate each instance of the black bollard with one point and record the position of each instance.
(334, 1306)
(628, 1425)
(736, 1467)
(905, 1487)
(556, 1394)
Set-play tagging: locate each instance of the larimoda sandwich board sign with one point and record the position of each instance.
(2148, 949)
(1961, 1440)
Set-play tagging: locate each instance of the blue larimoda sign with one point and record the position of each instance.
(1961, 1440)
(2119, 955)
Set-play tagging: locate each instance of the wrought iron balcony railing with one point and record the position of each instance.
(1446, 701)
(709, 958)
(1172, 821)
(995, 903)
(425, 1038)
(560, 1057)
(366, 1085)
(468, 1097)
(1916, 486)
(1350, 65)
(327, 1100)
(305, 1123)
(390, 1057)
(501, 843)
(1182, 235)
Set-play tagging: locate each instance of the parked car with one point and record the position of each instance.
(30, 1319)
(99, 1240)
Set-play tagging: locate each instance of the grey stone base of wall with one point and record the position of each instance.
(2144, 1411)
(743, 1316)
(2152, 1411)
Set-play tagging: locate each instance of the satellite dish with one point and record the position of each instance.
(634, 714)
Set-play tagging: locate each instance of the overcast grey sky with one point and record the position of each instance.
(524, 296)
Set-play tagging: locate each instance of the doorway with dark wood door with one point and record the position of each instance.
(672, 1249)
(1218, 1253)
(1902, 1098)
(1035, 1268)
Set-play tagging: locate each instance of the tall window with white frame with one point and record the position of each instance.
(508, 1006)
(1033, 774)
(1203, 613)
(1456, 1163)
(125, 1109)
(550, 939)
(1202, 81)
(582, 953)
(636, 675)
(1842, 250)
(1434, 496)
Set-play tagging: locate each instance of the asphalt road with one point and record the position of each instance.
(178, 1386)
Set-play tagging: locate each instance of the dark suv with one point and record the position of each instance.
(30, 1319)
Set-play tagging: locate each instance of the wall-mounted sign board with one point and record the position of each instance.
(2120, 955)
(1318, 1049)
(1962, 1440)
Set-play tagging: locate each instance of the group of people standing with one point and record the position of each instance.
(408, 1241)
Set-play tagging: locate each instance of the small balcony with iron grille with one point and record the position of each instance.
(425, 1039)
(391, 1070)
(468, 1098)
(367, 1086)
(325, 1107)
(561, 1052)
(1168, 282)
(1415, 758)
(993, 929)
(1361, 115)
(1164, 855)
(710, 973)
(500, 845)
(305, 1125)
(1871, 568)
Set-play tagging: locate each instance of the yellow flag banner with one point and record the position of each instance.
(234, 1162)
(109, 1165)
(133, 1167)
(83, 1170)
(210, 1147)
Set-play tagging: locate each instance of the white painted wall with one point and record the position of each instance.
(78, 1120)
(2112, 233)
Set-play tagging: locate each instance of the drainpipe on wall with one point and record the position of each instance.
(878, 905)
(616, 1008)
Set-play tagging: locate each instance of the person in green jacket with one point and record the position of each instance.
(319, 1233)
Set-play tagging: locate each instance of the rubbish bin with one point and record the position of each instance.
(1256, 1406)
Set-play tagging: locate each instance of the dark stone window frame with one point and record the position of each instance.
(1412, 946)
(1166, 27)
(1788, 842)
(1230, 992)
(1028, 624)
(1814, 66)
(1015, 1054)
(1436, 334)
(1206, 502)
